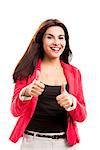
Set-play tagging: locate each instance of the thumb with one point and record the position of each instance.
(38, 75)
(63, 88)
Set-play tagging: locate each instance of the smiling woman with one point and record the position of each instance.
(54, 41)
(48, 96)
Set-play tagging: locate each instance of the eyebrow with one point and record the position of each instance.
(53, 35)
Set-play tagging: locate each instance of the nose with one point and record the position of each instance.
(56, 42)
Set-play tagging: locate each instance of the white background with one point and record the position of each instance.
(19, 20)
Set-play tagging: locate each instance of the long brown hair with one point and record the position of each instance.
(26, 65)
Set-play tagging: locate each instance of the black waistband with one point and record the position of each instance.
(46, 136)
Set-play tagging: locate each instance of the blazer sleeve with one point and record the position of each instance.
(18, 107)
(79, 113)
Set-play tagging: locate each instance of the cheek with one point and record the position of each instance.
(45, 43)
(64, 43)
(45, 47)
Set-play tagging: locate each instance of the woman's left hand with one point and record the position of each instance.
(64, 99)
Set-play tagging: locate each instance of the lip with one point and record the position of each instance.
(55, 48)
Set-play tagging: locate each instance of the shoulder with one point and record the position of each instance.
(70, 67)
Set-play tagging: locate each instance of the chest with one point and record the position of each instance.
(53, 76)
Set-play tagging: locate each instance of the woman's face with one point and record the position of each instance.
(54, 42)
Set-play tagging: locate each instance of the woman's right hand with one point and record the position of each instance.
(35, 88)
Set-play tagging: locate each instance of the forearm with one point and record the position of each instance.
(18, 107)
(79, 113)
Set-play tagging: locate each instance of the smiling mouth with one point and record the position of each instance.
(55, 48)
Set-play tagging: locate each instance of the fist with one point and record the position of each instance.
(64, 99)
(36, 87)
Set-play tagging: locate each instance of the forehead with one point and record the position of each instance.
(55, 30)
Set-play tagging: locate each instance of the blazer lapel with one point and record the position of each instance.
(69, 74)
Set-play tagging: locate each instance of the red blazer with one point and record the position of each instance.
(25, 109)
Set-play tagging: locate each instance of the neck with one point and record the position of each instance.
(51, 62)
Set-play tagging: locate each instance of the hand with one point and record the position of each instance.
(64, 99)
(36, 87)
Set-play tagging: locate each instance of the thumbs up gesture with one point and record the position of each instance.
(35, 88)
(64, 99)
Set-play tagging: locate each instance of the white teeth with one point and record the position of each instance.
(55, 48)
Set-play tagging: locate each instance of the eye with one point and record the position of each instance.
(61, 37)
(49, 37)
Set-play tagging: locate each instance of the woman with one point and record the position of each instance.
(48, 96)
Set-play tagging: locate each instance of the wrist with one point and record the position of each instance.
(25, 93)
(73, 103)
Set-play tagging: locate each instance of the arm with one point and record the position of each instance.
(79, 112)
(23, 94)
(18, 107)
